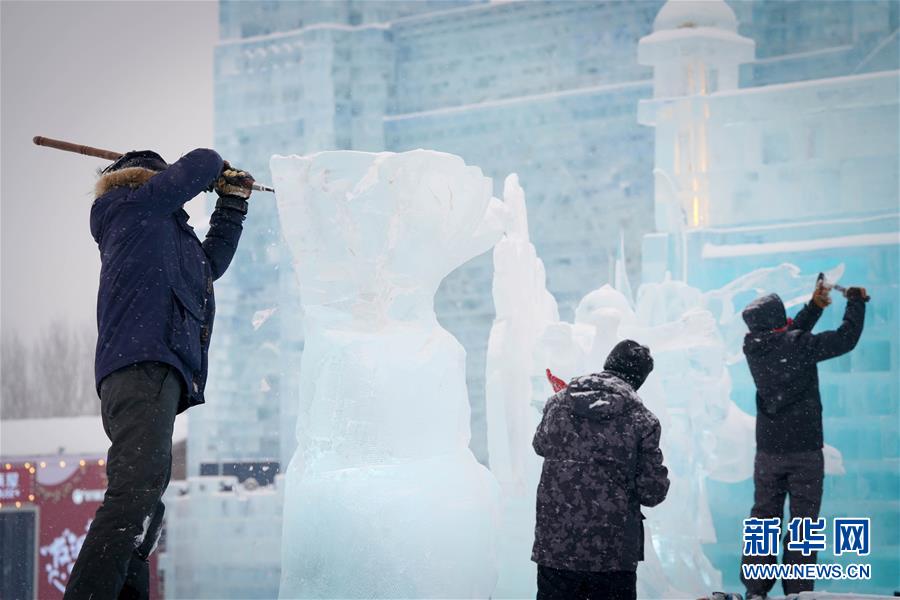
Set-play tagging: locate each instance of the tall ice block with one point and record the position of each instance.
(384, 497)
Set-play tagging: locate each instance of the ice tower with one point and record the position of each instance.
(803, 173)
(695, 51)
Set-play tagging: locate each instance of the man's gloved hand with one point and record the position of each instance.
(857, 293)
(822, 294)
(234, 182)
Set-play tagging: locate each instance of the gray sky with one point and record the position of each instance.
(117, 75)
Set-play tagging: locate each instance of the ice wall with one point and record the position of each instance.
(801, 41)
(238, 19)
(546, 89)
(222, 539)
(830, 146)
(384, 497)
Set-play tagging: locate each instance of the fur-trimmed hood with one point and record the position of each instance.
(133, 177)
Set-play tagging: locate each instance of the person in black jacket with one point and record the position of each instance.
(155, 312)
(602, 462)
(782, 356)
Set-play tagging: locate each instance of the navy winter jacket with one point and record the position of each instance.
(155, 300)
(783, 359)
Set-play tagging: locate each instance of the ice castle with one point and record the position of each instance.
(715, 141)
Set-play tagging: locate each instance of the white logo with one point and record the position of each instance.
(80, 496)
(9, 486)
(63, 551)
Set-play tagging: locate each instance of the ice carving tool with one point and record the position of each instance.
(831, 286)
(107, 154)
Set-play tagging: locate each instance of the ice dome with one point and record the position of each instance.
(606, 300)
(679, 14)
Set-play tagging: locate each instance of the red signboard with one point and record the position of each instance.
(66, 493)
(67, 506)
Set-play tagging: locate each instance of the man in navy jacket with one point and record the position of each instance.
(155, 312)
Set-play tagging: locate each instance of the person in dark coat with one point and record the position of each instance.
(783, 356)
(602, 462)
(155, 312)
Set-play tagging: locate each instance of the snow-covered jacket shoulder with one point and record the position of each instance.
(601, 463)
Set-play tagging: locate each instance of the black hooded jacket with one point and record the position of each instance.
(782, 358)
(601, 463)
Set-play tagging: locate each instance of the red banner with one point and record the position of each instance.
(67, 501)
(66, 494)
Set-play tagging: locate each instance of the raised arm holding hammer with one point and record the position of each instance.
(155, 310)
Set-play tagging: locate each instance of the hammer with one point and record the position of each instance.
(107, 154)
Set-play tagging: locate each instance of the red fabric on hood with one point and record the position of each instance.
(790, 322)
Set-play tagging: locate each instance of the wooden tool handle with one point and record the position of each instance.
(70, 147)
(101, 153)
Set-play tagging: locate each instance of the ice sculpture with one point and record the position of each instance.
(524, 308)
(694, 336)
(383, 497)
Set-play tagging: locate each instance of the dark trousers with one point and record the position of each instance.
(560, 584)
(798, 476)
(138, 406)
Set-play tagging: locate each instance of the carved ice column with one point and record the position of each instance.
(384, 497)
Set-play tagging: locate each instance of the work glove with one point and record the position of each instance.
(233, 187)
(234, 182)
(857, 293)
(822, 294)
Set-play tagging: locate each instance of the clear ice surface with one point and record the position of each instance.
(383, 497)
